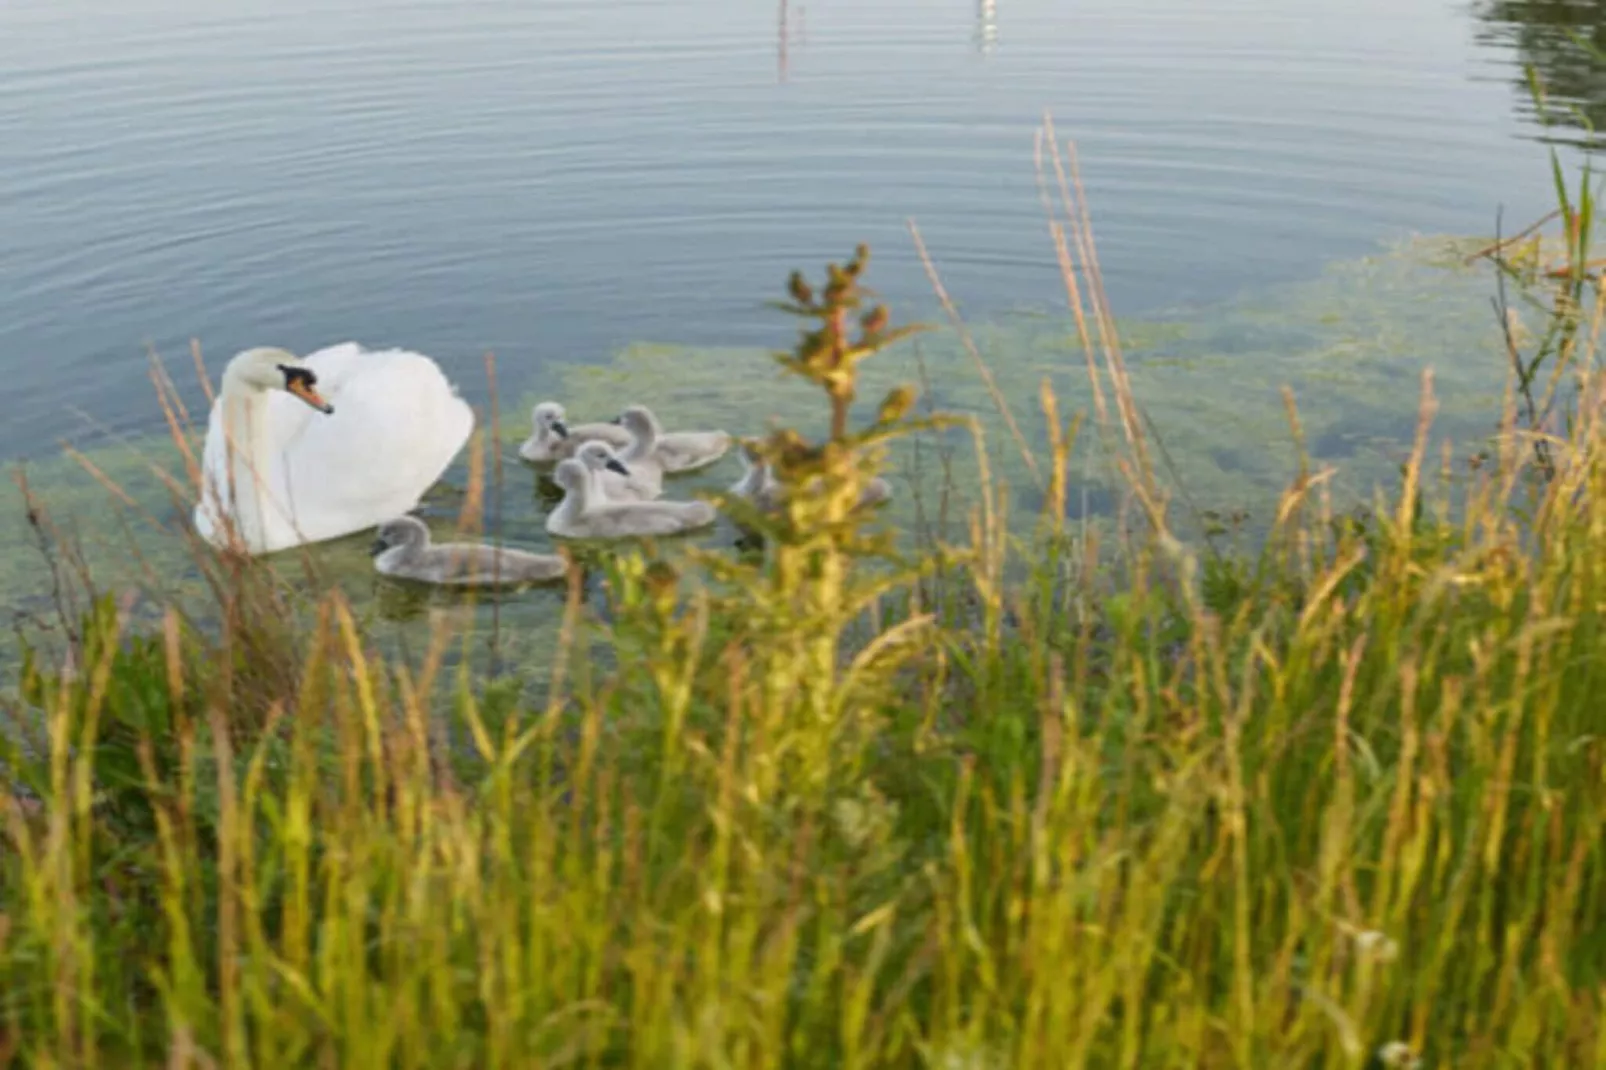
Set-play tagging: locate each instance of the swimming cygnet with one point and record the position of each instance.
(553, 438)
(585, 514)
(402, 549)
(672, 451)
(612, 479)
(640, 458)
(759, 485)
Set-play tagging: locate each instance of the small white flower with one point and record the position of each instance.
(965, 1056)
(1376, 946)
(1398, 1053)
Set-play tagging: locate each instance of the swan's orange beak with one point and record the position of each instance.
(304, 390)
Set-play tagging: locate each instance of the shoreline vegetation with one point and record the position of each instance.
(1051, 795)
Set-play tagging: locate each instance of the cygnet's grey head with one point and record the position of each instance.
(549, 416)
(639, 421)
(596, 456)
(402, 531)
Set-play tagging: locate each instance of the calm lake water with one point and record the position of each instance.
(551, 181)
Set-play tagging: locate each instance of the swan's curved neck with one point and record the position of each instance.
(246, 440)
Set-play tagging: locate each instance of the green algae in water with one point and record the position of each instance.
(143, 552)
(1351, 343)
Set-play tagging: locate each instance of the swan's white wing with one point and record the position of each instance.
(397, 425)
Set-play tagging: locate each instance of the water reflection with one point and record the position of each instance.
(780, 43)
(1555, 37)
(789, 32)
(986, 37)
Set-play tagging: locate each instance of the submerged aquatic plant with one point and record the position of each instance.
(1558, 280)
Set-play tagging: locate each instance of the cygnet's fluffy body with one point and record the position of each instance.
(585, 514)
(759, 485)
(402, 549)
(652, 449)
(613, 481)
(553, 438)
(685, 451)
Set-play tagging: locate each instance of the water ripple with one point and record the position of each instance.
(567, 177)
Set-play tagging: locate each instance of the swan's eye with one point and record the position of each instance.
(303, 384)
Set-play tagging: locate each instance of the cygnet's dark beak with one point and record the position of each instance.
(379, 547)
(561, 428)
(618, 421)
(615, 465)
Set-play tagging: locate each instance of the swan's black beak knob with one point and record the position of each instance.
(304, 385)
(561, 428)
(615, 465)
(379, 547)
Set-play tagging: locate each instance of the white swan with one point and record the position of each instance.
(611, 479)
(299, 450)
(759, 485)
(553, 439)
(402, 549)
(583, 514)
(669, 451)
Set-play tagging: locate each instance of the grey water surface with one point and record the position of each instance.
(554, 179)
